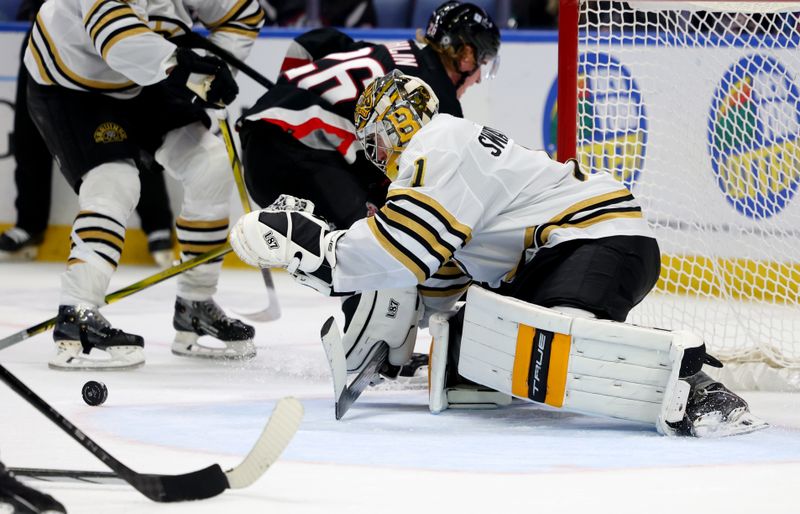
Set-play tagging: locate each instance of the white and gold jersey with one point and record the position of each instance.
(115, 46)
(470, 204)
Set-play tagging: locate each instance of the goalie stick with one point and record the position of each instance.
(273, 309)
(346, 395)
(191, 39)
(196, 485)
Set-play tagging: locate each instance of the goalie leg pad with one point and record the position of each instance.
(584, 365)
(464, 396)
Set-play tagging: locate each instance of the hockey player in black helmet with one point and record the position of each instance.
(457, 29)
(299, 138)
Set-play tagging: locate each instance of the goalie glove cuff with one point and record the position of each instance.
(291, 203)
(321, 279)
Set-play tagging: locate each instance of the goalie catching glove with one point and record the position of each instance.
(296, 240)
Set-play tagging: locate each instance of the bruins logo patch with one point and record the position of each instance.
(109, 132)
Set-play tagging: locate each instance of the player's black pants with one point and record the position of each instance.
(33, 174)
(276, 163)
(606, 276)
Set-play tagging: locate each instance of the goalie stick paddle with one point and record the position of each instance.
(273, 309)
(196, 485)
(122, 293)
(346, 394)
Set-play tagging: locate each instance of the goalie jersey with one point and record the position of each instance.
(314, 100)
(471, 205)
(115, 46)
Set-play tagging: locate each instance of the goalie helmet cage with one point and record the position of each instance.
(695, 107)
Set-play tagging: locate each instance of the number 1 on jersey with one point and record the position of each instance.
(419, 172)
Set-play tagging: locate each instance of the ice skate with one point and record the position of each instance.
(714, 411)
(18, 245)
(200, 318)
(85, 340)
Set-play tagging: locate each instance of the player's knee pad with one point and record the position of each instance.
(199, 160)
(585, 365)
(390, 315)
(112, 189)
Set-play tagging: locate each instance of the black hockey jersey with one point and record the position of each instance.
(314, 101)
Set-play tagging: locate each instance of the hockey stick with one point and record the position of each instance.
(196, 485)
(346, 394)
(122, 293)
(273, 309)
(193, 40)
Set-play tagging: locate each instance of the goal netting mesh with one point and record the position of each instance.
(695, 106)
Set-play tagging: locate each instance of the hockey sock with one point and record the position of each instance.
(196, 237)
(97, 241)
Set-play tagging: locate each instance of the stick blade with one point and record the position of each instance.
(334, 351)
(345, 394)
(197, 485)
(201, 484)
(366, 377)
(272, 311)
(281, 427)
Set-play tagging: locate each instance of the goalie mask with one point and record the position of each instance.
(389, 112)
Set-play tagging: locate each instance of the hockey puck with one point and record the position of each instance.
(94, 393)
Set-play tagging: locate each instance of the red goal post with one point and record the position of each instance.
(695, 106)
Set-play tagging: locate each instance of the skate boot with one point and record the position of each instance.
(199, 318)
(83, 335)
(17, 245)
(16, 497)
(714, 411)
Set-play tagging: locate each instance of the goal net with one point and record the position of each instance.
(695, 106)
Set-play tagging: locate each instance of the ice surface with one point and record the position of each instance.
(388, 454)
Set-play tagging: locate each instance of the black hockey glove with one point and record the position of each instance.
(205, 79)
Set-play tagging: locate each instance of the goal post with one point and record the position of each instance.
(695, 106)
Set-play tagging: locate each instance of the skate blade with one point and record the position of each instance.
(115, 358)
(738, 423)
(186, 344)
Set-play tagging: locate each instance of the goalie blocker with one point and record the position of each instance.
(584, 365)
